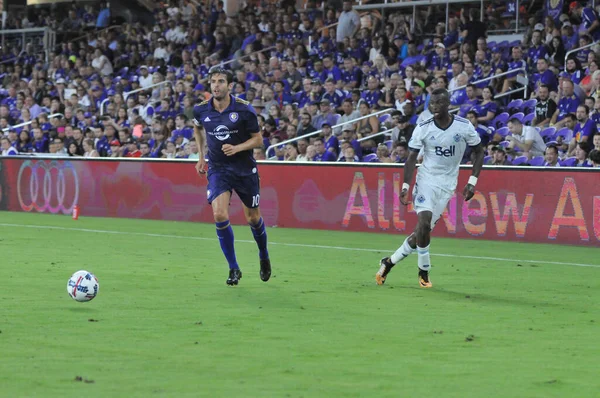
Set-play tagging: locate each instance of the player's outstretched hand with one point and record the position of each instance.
(468, 192)
(404, 197)
(200, 166)
(229, 149)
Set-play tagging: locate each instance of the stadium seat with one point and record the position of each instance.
(371, 158)
(487, 159)
(548, 134)
(504, 144)
(520, 160)
(515, 43)
(568, 162)
(503, 44)
(389, 144)
(528, 119)
(500, 120)
(384, 118)
(565, 133)
(528, 106)
(491, 44)
(514, 106)
(551, 143)
(502, 131)
(519, 116)
(537, 161)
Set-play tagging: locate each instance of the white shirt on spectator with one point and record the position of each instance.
(530, 133)
(146, 81)
(263, 27)
(102, 63)
(161, 53)
(301, 158)
(172, 12)
(10, 152)
(348, 22)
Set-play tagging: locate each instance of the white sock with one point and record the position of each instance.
(403, 251)
(423, 258)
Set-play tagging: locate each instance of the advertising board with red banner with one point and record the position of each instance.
(516, 204)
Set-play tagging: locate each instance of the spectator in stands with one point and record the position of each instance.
(329, 139)
(348, 22)
(543, 76)
(259, 153)
(537, 50)
(291, 152)
(595, 157)
(348, 154)
(400, 152)
(556, 50)
(516, 62)
(367, 126)
(487, 109)
(7, 148)
(551, 156)
(322, 154)
(499, 157)
(581, 155)
(584, 131)
(589, 19)
(383, 154)
(483, 132)
(302, 145)
(402, 130)
(545, 107)
(596, 141)
(568, 103)
(525, 139)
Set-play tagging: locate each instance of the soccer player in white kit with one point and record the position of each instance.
(442, 139)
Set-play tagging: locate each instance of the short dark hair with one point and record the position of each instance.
(552, 146)
(472, 113)
(514, 120)
(219, 70)
(595, 156)
(440, 91)
(584, 106)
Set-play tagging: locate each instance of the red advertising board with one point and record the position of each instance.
(524, 204)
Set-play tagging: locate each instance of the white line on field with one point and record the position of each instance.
(359, 249)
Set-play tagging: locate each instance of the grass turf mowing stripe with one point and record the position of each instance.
(101, 231)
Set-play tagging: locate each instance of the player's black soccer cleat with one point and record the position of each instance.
(235, 275)
(384, 269)
(424, 280)
(265, 269)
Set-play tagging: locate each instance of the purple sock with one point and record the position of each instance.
(225, 234)
(260, 236)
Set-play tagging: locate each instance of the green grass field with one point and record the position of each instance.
(165, 324)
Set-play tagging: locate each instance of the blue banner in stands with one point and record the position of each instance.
(554, 9)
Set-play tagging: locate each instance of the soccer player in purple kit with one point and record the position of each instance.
(231, 132)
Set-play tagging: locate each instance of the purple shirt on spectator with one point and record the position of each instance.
(336, 98)
(587, 130)
(458, 97)
(567, 105)
(325, 157)
(547, 78)
(371, 97)
(588, 16)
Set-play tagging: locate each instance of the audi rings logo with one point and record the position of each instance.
(48, 186)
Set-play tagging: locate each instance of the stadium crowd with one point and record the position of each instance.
(303, 75)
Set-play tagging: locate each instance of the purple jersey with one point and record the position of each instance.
(234, 125)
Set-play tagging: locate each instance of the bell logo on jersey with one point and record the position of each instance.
(445, 152)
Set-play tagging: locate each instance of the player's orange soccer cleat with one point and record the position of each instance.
(384, 269)
(424, 280)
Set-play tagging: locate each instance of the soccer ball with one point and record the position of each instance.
(83, 286)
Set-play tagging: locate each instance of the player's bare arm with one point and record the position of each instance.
(409, 170)
(199, 133)
(255, 142)
(478, 155)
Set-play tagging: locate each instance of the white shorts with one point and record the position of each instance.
(430, 198)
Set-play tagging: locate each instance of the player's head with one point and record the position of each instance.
(221, 82)
(439, 103)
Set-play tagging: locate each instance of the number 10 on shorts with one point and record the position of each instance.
(255, 200)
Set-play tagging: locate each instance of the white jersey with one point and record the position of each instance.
(442, 150)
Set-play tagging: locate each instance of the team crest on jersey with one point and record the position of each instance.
(457, 138)
(420, 198)
(233, 116)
